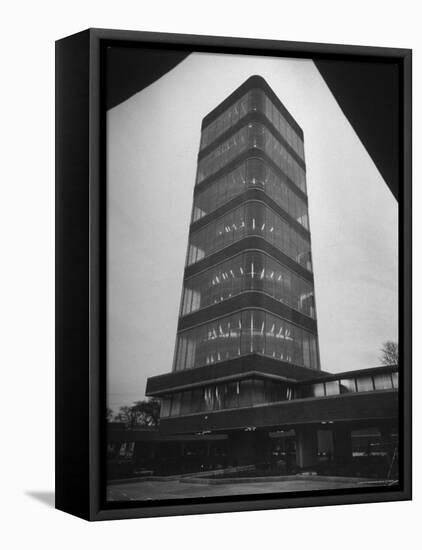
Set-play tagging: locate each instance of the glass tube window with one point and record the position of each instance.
(227, 119)
(253, 173)
(248, 271)
(365, 383)
(252, 218)
(254, 135)
(243, 333)
(215, 397)
(221, 191)
(332, 387)
(253, 101)
(362, 383)
(259, 391)
(283, 127)
(348, 385)
(383, 381)
(277, 189)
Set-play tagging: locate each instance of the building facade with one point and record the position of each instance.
(337, 424)
(246, 360)
(248, 283)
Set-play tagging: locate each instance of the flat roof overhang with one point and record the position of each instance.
(241, 367)
(122, 434)
(375, 406)
(246, 301)
(370, 371)
(247, 244)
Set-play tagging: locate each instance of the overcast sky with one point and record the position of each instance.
(153, 141)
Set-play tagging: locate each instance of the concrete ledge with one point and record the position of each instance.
(270, 479)
(195, 475)
(143, 478)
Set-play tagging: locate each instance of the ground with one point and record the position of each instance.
(177, 488)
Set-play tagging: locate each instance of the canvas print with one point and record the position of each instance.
(252, 287)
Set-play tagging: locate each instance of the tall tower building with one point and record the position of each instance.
(247, 317)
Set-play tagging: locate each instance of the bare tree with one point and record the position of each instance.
(109, 414)
(389, 353)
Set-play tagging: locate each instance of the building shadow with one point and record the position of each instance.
(45, 497)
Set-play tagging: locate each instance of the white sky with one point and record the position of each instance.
(153, 141)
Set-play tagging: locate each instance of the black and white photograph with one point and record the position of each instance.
(252, 282)
(210, 233)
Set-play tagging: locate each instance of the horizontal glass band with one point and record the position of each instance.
(243, 333)
(256, 391)
(253, 173)
(257, 136)
(253, 101)
(249, 219)
(247, 271)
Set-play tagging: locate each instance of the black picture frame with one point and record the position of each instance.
(81, 271)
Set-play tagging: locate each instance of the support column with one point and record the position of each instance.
(342, 438)
(241, 449)
(262, 448)
(306, 446)
(325, 443)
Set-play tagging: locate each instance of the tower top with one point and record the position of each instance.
(253, 82)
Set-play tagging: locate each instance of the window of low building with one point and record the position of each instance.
(365, 383)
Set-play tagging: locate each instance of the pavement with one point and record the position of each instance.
(175, 488)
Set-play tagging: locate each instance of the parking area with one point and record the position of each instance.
(176, 488)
